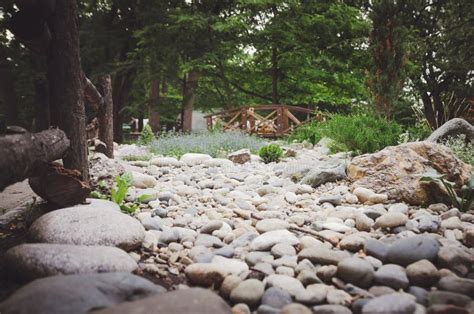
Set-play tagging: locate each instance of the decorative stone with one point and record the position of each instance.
(240, 157)
(289, 284)
(356, 271)
(322, 255)
(178, 301)
(392, 275)
(88, 226)
(265, 241)
(77, 293)
(390, 303)
(271, 224)
(412, 249)
(276, 297)
(249, 292)
(391, 220)
(422, 273)
(31, 261)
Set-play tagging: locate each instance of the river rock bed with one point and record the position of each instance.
(288, 237)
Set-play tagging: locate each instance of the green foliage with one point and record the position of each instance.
(310, 132)
(418, 132)
(464, 201)
(361, 134)
(216, 144)
(119, 192)
(358, 133)
(462, 148)
(147, 136)
(136, 158)
(271, 153)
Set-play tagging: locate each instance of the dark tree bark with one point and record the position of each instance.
(26, 155)
(189, 97)
(121, 85)
(7, 91)
(66, 79)
(60, 187)
(275, 76)
(153, 114)
(91, 95)
(105, 116)
(42, 120)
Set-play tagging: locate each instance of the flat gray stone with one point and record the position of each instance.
(77, 293)
(392, 275)
(356, 271)
(194, 300)
(322, 255)
(88, 225)
(32, 261)
(412, 249)
(390, 304)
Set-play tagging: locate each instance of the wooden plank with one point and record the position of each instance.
(293, 118)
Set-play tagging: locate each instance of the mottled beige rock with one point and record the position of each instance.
(396, 171)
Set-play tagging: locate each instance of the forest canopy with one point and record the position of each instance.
(403, 60)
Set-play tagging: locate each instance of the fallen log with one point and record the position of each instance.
(60, 187)
(452, 127)
(26, 155)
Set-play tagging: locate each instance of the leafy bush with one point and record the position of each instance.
(147, 136)
(418, 132)
(216, 144)
(463, 149)
(310, 132)
(358, 133)
(271, 153)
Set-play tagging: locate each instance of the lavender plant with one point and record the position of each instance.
(216, 144)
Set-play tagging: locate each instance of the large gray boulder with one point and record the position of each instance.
(314, 172)
(88, 225)
(452, 127)
(77, 293)
(194, 300)
(31, 261)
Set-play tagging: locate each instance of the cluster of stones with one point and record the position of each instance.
(268, 238)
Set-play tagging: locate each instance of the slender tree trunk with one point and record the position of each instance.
(122, 84)
(7, 91)
(42, 121)
(189, 97)
(428, 108)
(275, 76)
(65, 78)
(153, 114)
(106, 117)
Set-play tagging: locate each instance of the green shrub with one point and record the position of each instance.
(362, 134)
(463, 149)
(418, 132)
(147, 136)
(271, 153)
(358, 133)
(310, 132)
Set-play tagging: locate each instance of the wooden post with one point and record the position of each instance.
(105, 117)
(251, 120)
(243, 119)
(209, 123)
(284, 119)
(279, 121)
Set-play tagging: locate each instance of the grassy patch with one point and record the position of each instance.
(216, 144)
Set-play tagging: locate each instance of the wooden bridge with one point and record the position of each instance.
(272, 120)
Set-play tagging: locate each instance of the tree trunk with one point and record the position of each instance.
(153, 114)
(122, 84)
(7, 90)
(105, 116)
(26, 155)
(275, 74)
(66, 83)
(428, 108)
(189, 97)
(42, 121)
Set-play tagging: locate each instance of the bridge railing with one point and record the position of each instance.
(270, 120)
